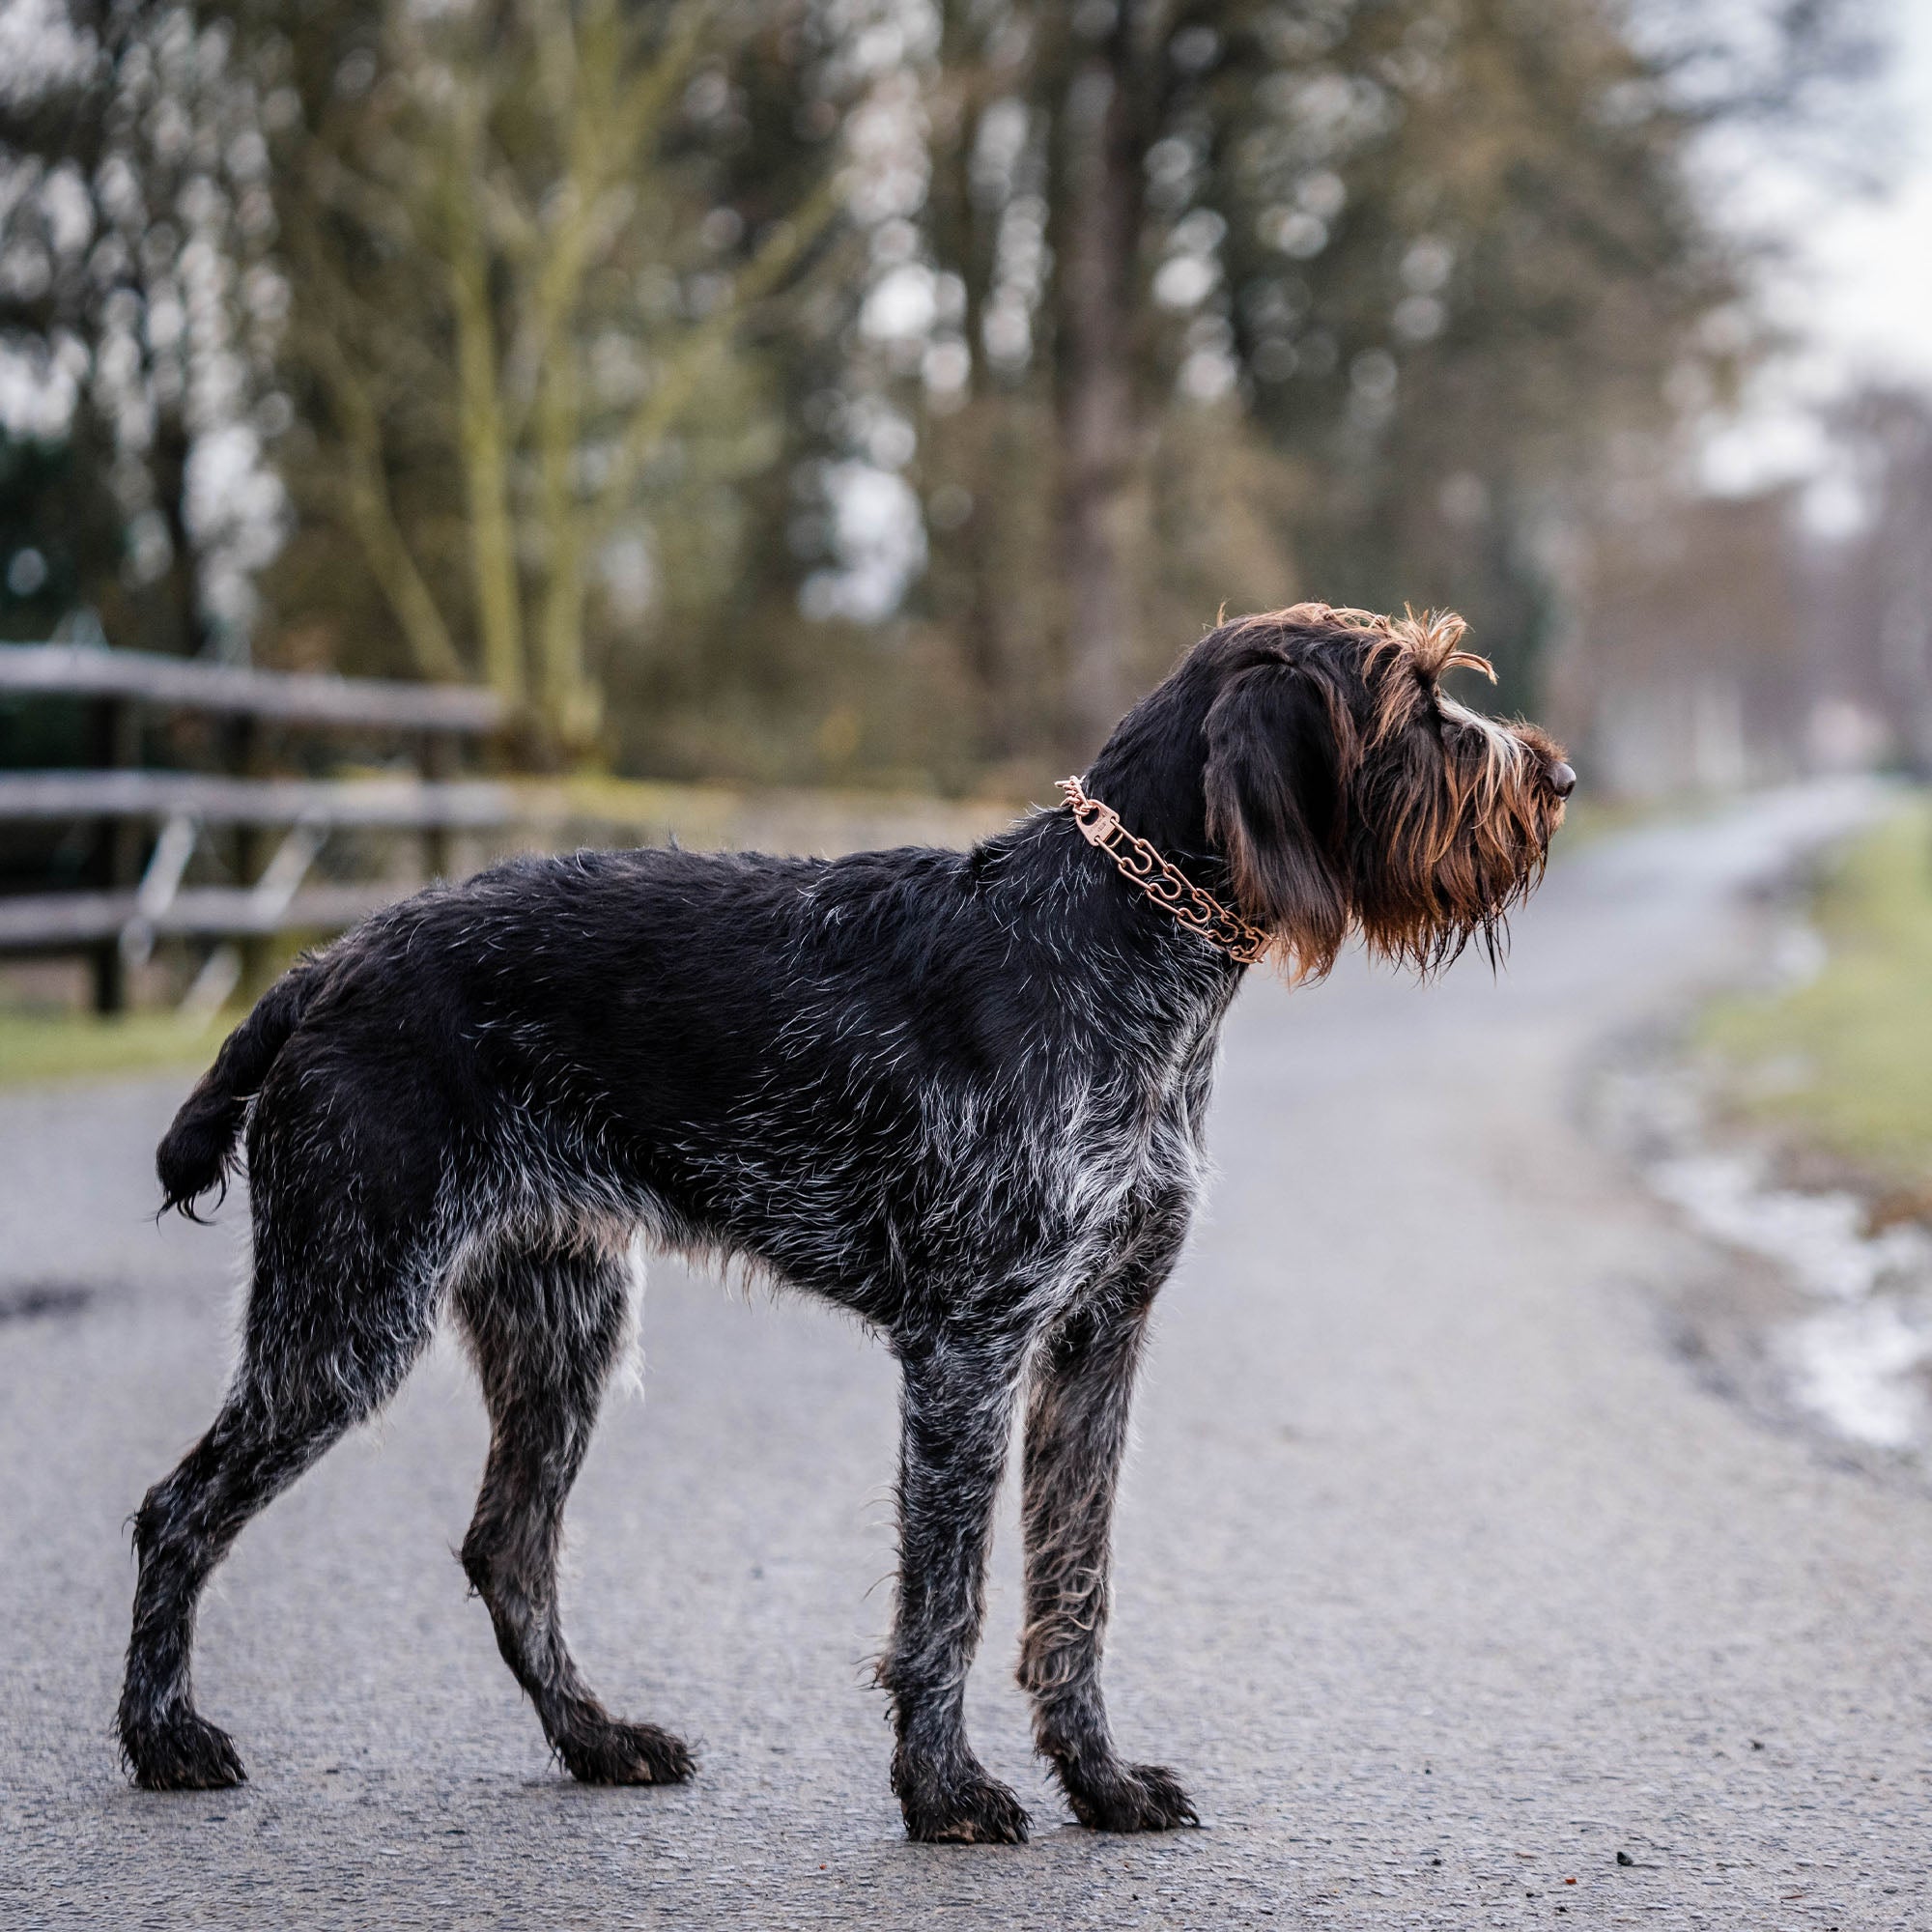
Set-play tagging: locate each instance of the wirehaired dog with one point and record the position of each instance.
(960, 1093)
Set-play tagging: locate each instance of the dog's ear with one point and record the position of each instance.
(1281, 744)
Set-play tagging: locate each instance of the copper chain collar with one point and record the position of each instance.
(1200, 912)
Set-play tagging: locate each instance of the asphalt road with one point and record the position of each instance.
(1444, 1581)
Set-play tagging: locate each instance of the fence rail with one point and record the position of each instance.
(68, 921)
(145, 826)
(405, 803)
(300, 697)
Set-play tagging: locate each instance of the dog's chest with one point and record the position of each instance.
(888, 1192)
(1135, 1127)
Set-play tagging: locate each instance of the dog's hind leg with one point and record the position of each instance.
(956, 1413)
(546, 1328)
(1076, 1434)
(317, 1356)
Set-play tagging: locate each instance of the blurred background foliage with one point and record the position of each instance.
(883, 391)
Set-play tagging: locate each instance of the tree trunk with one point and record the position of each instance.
(570, 702)
(481, 433)
(959, 448)
(1097, 248)
(168, 465)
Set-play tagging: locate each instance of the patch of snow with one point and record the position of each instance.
(1860, 1361)
(1856, 1369)
(1817, 1238)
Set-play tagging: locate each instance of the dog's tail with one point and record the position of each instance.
(198, 1150)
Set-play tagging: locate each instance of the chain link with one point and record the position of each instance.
(1198, 911)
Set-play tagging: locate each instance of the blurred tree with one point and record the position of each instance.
(138, 319)
(1701, 624)
(1881, 593)
(1162, 304)
(60, 529)
(1403, 269)
(521, 269)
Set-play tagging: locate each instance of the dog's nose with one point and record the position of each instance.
(1562, 780)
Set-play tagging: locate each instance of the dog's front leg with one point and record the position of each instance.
(956, 1415)
(1076, 1435)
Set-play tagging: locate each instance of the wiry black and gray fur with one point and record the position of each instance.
(958, 1093)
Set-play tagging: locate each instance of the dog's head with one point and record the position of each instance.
(1345, 791)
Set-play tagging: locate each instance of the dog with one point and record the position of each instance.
(959, 1093)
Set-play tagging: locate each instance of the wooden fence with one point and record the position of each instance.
(144, 826)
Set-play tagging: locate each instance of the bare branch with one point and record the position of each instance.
(604, 138)
(481, 433)
(678, 385)
(365, 496)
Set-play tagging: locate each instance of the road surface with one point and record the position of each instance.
(1454, 1593)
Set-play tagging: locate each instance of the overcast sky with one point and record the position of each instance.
(1857, 288)
(1870, 263)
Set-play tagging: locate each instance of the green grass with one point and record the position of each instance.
(1845, 1062)
(44, 1046)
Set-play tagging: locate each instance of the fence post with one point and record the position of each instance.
(116, 842)
(438, 761)
(244, 756)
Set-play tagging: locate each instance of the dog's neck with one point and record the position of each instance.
(1151, 773)
(1146, 866)
(1099, 925)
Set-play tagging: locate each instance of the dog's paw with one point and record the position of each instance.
(1130, 1798)
(967, 1808)
(184, 1752)
(618, 1753)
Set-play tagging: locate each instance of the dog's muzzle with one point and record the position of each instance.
(1562, 780)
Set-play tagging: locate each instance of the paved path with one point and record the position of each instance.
(1444, 1581)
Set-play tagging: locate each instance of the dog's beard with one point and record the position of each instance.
(1458, 856)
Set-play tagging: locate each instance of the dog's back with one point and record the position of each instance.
(537, 970)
